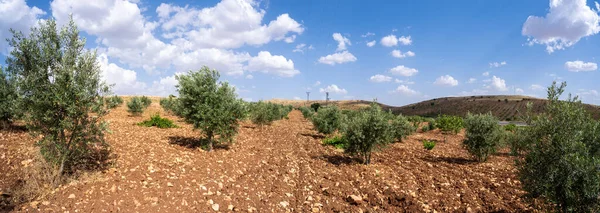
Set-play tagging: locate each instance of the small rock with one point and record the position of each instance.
(169, 184)
(288, 194)
(355, 199)
(215, 207)
(309, 198)
(71, 196)
(284, 204)
(230, 207)
(315, 209)
(45, 203)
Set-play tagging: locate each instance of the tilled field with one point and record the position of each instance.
(277, 168)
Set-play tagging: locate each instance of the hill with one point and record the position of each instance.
(505, 107)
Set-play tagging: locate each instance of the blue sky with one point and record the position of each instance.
(282, 49)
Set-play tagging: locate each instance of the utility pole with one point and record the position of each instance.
(307, 95)
(326, 98)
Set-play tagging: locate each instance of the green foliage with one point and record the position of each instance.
(510, 127)
(113, 102)
(145, 101)
(401, 127)
(415, 120)
(264, 113)
(431, 123)
(169, 104)
(315, 106)
(8, 99)
(449, 124)
(426, 128)
(61, 94)
(367, 131)
(307, 112)
(483, 134)
(158, 121)
(562, 160)
(327, 120)
(428, 145)
(516, 141)
(135, 106)
(336, 141)
(210, 105)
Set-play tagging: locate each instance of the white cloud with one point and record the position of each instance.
(446, 80)
(342, 41)
(17, 15)
(498, 84)
(302, 47)
(249, 77)
(580, 66)
(226, 61)
(333, 89)
(584, 92)
(565, 24)
(486, 74)
(404, 71)
(537, 87)
(398, 81)
(497, 64)
(290, 39)
(317, 83)
(519, 91)
(404, 90)
(274, 64)
(380, 78)
(337, 58)
(371, 43)
(471, 80)
(474, 92)
(297, 98)
(389, 41)
(405, 40)
(399, 54)
(368, 34)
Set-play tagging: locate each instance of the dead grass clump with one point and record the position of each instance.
(39, 179)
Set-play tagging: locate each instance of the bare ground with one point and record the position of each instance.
(277, 168)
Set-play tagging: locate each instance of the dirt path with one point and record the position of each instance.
(279, 168)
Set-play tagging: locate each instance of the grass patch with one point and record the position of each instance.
(427, 144)
(336, 141)
(159, 122)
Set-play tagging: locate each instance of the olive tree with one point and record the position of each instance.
(8, 97)
(61, 94)
(562, 162)
(209, 105)
(483, 134)
(328, 119)
(366, 131)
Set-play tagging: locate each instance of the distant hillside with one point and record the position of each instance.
(505, 107)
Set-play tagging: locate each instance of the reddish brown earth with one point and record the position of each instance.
(277, 168)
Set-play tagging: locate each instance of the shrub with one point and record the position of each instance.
(368, 131)
(336, 141)
(510, 127)
(327, 120)
(401, 127)
(62, 95)
(210, 105)
(482, 135)
(169, 104)
(307, 112)
(145, 101)
(158, 121)
(315, 106)
(428, 145)
(426, 128)
(113, 102)
(561, 164)
(449, 124)
(8, 99)
(135, 106)
(263, 113)
(415, 120)
(431, 123)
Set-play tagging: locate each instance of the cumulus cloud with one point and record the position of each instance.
(337, 58)
(342, 41)
(302, 47)
(317, 83)
(446, 80)
(498, 84)
(124, 81)
(405, 40)
(398, 81)
(404, 90)
(368, 34)
(333, 89)
(580, 66)
(380, 78)
(471, 80)
(497, 64)
(274, 64)
(15, 14)
(249, 77)
(404, 71)
(486, 74)
(565, 24)
(519, 91)
(400, 54)
(371, 43)
(389, 41)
